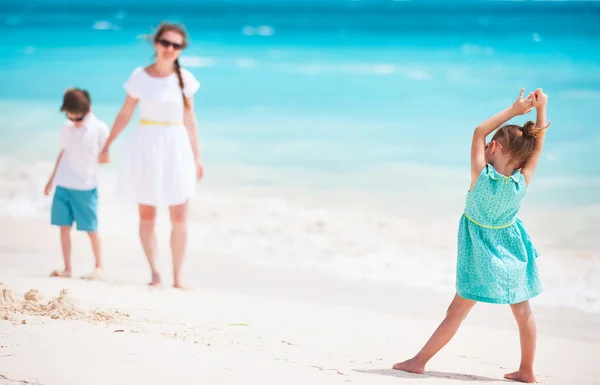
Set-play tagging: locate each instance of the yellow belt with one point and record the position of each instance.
(155, 123)
(489, 227)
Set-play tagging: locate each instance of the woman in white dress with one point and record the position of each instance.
(162, 159)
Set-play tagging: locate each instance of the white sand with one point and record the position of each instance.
(251, 324)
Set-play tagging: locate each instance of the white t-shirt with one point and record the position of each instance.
(78, 167)
(160, 98)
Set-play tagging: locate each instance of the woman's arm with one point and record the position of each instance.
(191, 124)
(120, 123)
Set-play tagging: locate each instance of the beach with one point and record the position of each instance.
(250, 322)
(322, 239)
(273, 328)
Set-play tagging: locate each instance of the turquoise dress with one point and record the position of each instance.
(496, 259)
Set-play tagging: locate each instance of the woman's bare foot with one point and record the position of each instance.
(155, 280)
(96, 275)
(179, 285)
(61, 274)
(411, 366)
(521, 376)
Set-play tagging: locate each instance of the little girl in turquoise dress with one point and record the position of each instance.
(496, 259)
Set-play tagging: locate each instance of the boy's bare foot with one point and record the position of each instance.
(61, 274)
(155, 280)
(96, 275)
(521, 376)
(410, 366)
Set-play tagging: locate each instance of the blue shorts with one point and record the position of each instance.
(80, 206)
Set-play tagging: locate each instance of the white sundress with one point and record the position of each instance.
(158, 167)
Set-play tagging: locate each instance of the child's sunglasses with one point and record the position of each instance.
(167, 44)
(77, 119)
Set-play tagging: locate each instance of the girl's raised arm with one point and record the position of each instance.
(540, 101)
(519, 107)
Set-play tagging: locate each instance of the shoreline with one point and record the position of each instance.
(326, 290)
(382, 240)
(209, 269)
(350, 235)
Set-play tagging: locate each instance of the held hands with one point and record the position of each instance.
(104, 156)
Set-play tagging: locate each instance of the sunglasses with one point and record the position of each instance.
(167, 44)
(77, 119)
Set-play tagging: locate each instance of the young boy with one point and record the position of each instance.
(76, 177)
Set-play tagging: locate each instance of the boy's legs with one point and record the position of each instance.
(65, 243)
(85, 212)
(527, 336)
(97, 250)
(457, 312)
(62, 215)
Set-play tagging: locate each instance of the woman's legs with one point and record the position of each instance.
(148, 239)
(178, 240)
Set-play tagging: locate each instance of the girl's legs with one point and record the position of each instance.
(178, 240)
(148, 239)
(527, 335)
(457, 312)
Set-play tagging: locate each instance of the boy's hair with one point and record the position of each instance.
(519, 142)
(76, 101)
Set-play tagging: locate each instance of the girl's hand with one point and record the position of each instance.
(539, 98)
(522, 106)
(199, 169)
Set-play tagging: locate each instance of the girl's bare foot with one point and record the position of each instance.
(411, 366)
(96, 275)
(155, 280)
(61, 274)
(521, 376)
